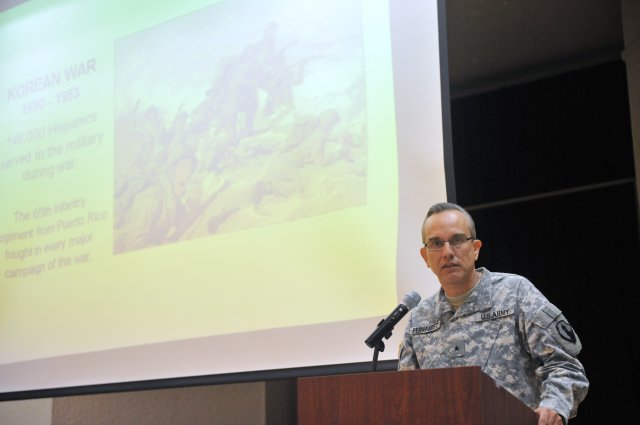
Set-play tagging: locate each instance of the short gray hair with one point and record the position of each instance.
(447, 206)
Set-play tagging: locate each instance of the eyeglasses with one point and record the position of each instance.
(456, 241)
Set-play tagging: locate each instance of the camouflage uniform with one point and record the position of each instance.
(509, 329)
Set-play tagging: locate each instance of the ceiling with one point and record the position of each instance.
(494, 43)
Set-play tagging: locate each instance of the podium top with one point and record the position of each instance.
(448, 396)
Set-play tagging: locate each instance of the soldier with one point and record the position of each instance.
(497, 321)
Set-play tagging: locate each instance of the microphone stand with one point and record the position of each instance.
(378, 348)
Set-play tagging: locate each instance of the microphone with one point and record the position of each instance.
(386, 325)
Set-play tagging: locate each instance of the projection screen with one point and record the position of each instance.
(196, 187)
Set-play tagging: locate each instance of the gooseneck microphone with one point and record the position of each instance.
(385, 327)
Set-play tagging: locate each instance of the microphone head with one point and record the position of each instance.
(411, 299)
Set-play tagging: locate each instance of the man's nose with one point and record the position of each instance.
(447, 250)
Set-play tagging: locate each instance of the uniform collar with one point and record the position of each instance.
(479, 299)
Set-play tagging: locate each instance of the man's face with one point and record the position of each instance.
(454, 267)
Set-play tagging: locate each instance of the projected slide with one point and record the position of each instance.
(183, 182)
(230, 127)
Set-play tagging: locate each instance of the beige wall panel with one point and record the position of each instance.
(26, 412)
(234, 404)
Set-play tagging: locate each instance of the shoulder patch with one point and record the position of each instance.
(545, 315)
(550, 317)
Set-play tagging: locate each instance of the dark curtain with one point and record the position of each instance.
(546, 169)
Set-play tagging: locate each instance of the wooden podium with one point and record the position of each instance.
(453, 396)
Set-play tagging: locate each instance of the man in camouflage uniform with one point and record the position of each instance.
(497, 321)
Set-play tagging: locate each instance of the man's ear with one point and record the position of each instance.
(477, 244)
(423, 253)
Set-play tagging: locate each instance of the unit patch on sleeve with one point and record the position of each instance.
(551, 318)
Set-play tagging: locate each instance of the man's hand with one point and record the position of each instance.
(548, 417)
